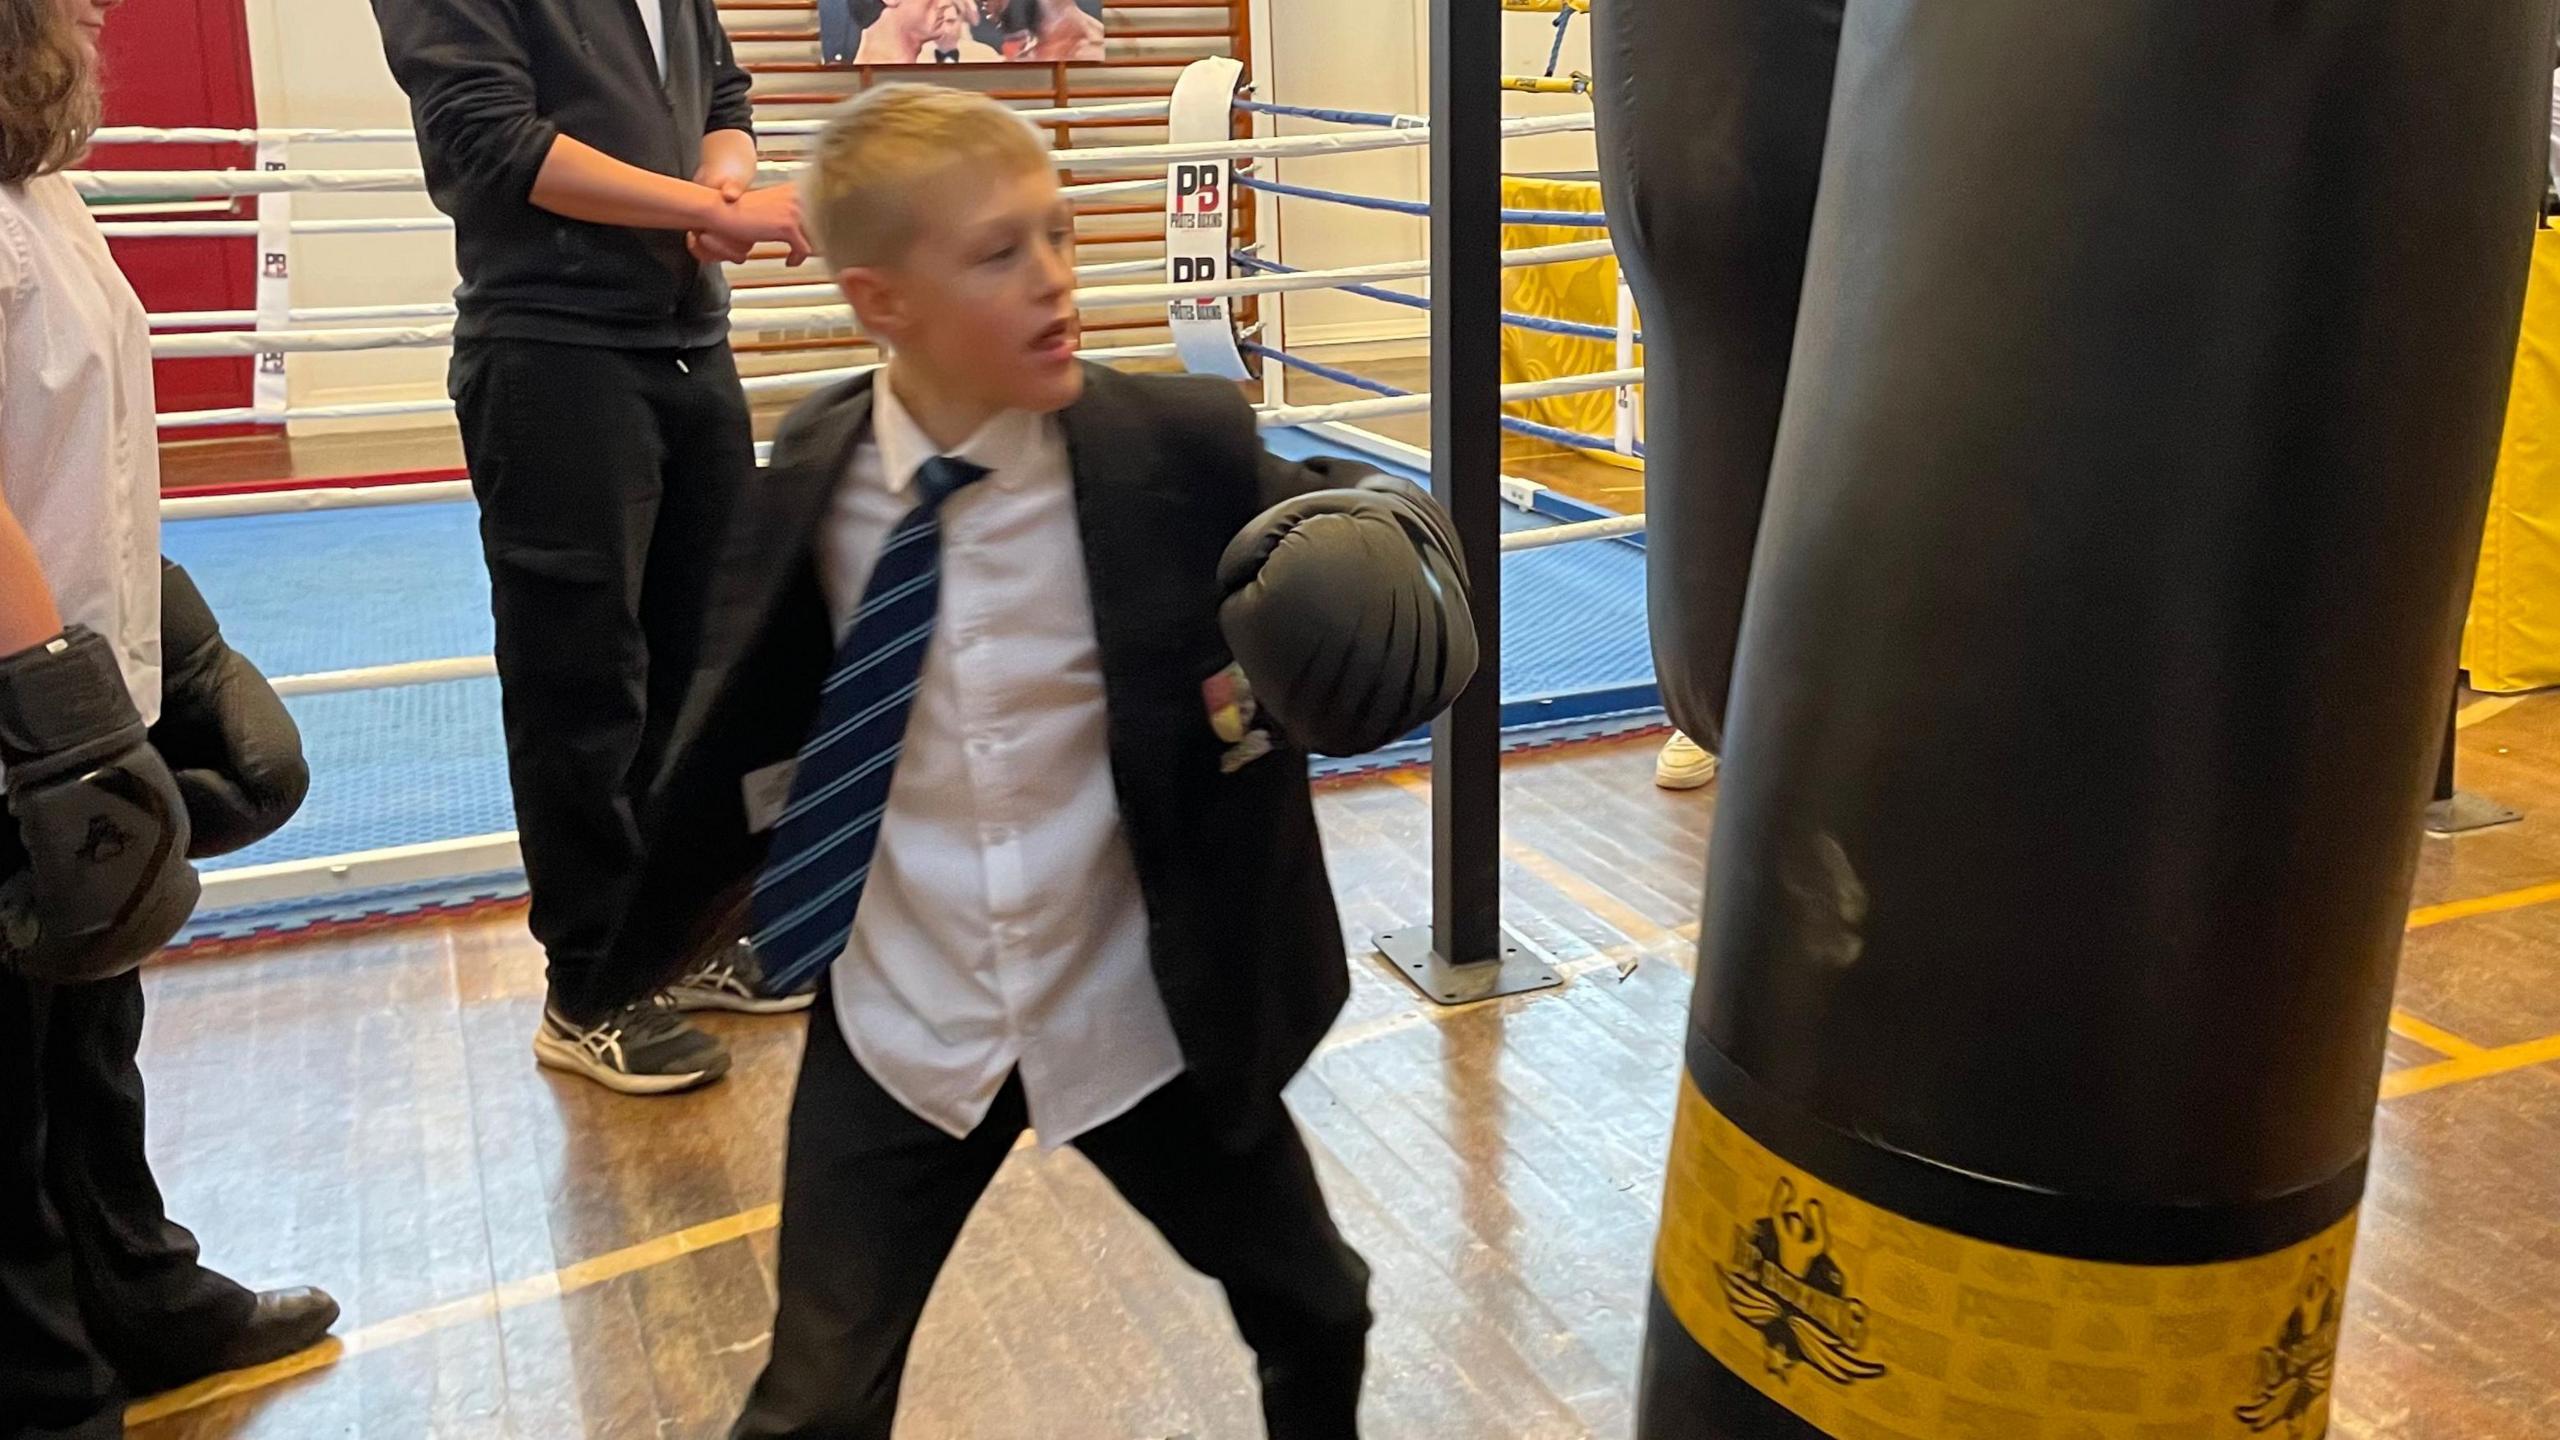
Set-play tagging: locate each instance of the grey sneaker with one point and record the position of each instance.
(733, 979)
(644, 1048)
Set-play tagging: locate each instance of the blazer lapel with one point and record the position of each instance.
(805, 468)
(772, 550)
(1107, 452)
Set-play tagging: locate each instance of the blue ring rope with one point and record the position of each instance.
(1564, 219)
(1373, 119)
(1517, 320)
(1564, 24)
(1572, 439)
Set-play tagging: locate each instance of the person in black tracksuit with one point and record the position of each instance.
(598, 159)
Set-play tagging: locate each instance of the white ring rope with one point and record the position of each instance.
(759, 320)
(197, 184)
(198, 135)
(227, 229)
(312, 501)
(1616, 527)
(121, 185)
(125, 185)
(388, 677)
(252, 415)
(763, 296)
(428, 224)
(380, 409)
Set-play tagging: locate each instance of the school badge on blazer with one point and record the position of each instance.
(1232, 713)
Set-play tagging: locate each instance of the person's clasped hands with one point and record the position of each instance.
(749, 215)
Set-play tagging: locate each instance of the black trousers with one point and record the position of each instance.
(873, 1200)
(605, 479)
(101, 1296)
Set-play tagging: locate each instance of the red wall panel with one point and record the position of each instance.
(178, 63)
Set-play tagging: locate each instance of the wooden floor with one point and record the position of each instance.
(526, 1256)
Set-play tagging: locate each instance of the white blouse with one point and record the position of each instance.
(79, 444)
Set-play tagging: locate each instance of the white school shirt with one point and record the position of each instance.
(79, 444)
(1001, 926)
(653, 18)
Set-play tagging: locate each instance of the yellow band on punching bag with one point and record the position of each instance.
(1868, 1326)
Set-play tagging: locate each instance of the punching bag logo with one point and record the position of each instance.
(2294, 1372)
(1785, 1285)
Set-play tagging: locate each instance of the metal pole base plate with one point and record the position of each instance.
(2467, 812)
(1520, 968)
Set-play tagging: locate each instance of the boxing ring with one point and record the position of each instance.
(366, 601)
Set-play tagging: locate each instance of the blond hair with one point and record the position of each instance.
(48, 93)
(858, 193)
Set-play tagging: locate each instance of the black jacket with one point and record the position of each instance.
(491, 83)
(1246, 944)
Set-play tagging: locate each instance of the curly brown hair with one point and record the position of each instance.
(48, 95)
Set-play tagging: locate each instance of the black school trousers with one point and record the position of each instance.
(101, 1296)
(873, 1199)
(605, 478)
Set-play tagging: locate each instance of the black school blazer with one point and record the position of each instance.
(1246, 944)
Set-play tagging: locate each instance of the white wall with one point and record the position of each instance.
(319, 63)
(1373, 55)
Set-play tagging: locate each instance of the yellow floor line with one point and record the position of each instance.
(2421, 918)
(513, 1295)
(2443, 1042)
(2418, 1079)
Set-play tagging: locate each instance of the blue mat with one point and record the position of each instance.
(340, 589)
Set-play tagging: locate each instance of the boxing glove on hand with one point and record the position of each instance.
(105, 880)
(224, 731)
(1348, 610)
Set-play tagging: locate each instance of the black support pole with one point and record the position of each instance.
(1466, 459)
(2454, 810)
(2452, 729)
(1465, 955)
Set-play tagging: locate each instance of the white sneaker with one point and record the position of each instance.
(732, 978)
(644, 1048)
(1684, 765)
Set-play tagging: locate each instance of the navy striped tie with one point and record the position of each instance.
(822, 846)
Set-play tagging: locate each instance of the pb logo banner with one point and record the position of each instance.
(1199, 215)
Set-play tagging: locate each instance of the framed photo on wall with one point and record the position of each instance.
(958, 32)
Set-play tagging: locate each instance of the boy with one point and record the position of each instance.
(1059, 864)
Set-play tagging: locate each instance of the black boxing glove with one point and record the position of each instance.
(223, 729)
(1348, 610)
(104, 880)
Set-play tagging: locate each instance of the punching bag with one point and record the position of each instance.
(1710, 214)
(2137, 407)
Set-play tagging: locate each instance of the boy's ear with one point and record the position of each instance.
(873, 298)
